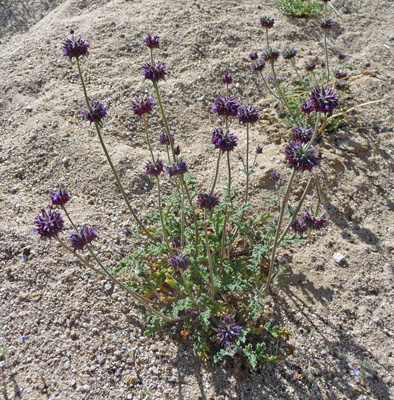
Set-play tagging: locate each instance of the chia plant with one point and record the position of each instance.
(209, 257)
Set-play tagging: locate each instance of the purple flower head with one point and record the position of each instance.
(275, 176)
(267, 22)
(142, 105)
(340, 74)
(228, 331)
(48, 224)
(324, 100)
(341, 85)
(312, 222)
(341, 56)
(177, 150)
(301, 134)
(75, 47)
(228, 107)
(176, 242)
(325, 23)
(289, 53)
(163, 138)
(271, 80)
(178, 168)
(253, 56)
(154, 72)
(96, 113)
(155, 168)
(270, 55)
(310, 65)
(208, 201)
(258, 65)
(179, 262)
(227, 79)
(259, 150)
(355, 371)
(307, 107)
(248, 114)
(301, 157)
(224, 140)
(60, 198)
(83, 237)
(298, 227)
(152, 42)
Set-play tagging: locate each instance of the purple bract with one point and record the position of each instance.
(270, 55)
(75, 47)
(253, 56)
(325, 23)
(324, 100)
(301, 157)
(301, 134)
(154, 72)
(228, 331)
(259, 150)
(142, 105)
(310, 65)
(307, 107)
(83, 237)
(155, 168)
(152, 42)
(341, 56)
(312, 222)
(275, 176)
(248, 114)
(267, 22)
(224, 140)
(289, 53)
(208, 201)
(48, 224)
(227, 79)
(340, 74)
(179, 262)
(178, 168)
(258, 65)
(60, 197)
(163, 138)
(226, 106)
(298, 227)
(96, 113)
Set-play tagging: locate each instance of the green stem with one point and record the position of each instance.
(266, 34)
(161, 214)
(194, 215)
(148, 140)
(69, 218)
(110, 162)
(209, 256)
(279, 89)
(318, 116)
(182, 214)
(163, 115)
(247, 163)
(276, 240)
(267, 87)
(216, 173)
(318, 194)
(296, 70)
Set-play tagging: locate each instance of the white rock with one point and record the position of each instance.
(338, 257)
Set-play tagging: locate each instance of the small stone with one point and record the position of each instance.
(339, 258)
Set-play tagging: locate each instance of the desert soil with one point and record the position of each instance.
(70, 334)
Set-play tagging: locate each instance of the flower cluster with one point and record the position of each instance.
(301, 156)
(60, 198)
(267, 22)
(75, 48)
(270, 55)
(179, 262)
(258, 65)
(307, 107)
(152, 42)
(325, 23)
(142, 105)
(259, 150)
(83, 237)
(301, 134)
(227, 79)
(155, 168)
(95, 113)
(253, 56)
(248, 114)
(275, 176)
(340, 74)
(289, 53)
(49, 224)
(310, 65)
(208, 201)
(324, 100)
(341, 85)
(163, 138)
(341, 55)
(308, 221)
(154, 72)
(228, 331)
(226, 106)
(224, 140)
(178, 168)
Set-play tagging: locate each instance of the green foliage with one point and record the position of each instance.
(301, 8)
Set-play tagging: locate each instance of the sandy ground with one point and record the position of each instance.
(71, 335)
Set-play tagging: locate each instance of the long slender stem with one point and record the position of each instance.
(247, 163)
(148, 140)
(69, 218)
(296, 211)
(318, 193)
(279, 89)
(188, 289)
(182, 214)
(110, 162)
(276, 240)
(216, 173)
(318, 116)
(296, 70)
(161, 214)
(210, 266)
(194, 215)
(267, 87)
(266, 34)
(163, 116)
